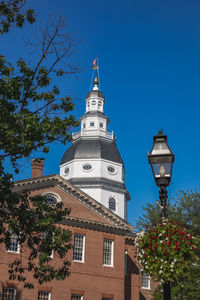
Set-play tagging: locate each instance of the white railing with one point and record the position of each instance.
(94, 132)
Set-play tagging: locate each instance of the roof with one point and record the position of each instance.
(95, 93)
(92, 148)
(115, 222)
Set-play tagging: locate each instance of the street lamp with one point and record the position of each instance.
(161, 160)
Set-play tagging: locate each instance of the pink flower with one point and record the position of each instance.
(176, 248)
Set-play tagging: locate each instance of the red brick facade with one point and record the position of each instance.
(90, 278)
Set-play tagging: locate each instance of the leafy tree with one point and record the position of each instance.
(185, 210)
(33, 116)
(11, 12)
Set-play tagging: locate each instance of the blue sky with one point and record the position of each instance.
(149, 56)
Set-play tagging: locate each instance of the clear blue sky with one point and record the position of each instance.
(149, 54)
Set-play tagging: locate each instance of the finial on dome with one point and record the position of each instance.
(96, 81)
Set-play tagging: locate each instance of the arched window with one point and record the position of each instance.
(51, 199)
(112, 204)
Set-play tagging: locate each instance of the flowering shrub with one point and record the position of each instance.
(166, 251)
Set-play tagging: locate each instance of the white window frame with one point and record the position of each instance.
(77, 295)
(49, 294)
(112, 253)
(145, 277)
(83, 248)
(13, 236)
(8, 288)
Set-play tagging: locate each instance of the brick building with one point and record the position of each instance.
(103, 263)
(92, 185)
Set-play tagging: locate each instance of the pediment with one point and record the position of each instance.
(83, 208)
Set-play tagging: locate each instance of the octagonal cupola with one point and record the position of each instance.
(93, 163)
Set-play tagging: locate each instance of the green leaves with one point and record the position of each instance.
(32, 116)
(11, 12)
(36, 225)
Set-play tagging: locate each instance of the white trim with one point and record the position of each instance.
(81, 296)
(146, 277)
(57, 196)
(112, 253)
(83, 249)
(9, 288)
(18, 246)
(91, 160)
(49, 294)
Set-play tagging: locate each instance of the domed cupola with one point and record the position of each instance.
(93, 162)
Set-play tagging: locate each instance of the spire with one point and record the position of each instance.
(96, 82)
(95, 73)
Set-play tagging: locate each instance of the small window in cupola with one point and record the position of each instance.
(92, 124)
(101, 125)
(93, 102)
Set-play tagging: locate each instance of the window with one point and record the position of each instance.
(46, 241)
(91, 123)
(66, 171)
(105, 298)
(111, 169)
(108, 252)
(87, 167)
(76, 297)
(51, 199)
(84, 125)
(9, 294)
(112, 204)
(79, 244)
(93, 102)
(145, 281)
(101, 125)
(44, 296)
(14, 245)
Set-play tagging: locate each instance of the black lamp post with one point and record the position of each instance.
(161, 160)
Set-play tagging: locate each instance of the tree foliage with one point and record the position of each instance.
(33, 116)
(11, 12)
(185, 209)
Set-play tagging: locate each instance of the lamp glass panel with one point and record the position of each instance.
(160, 148)
(162, 169)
